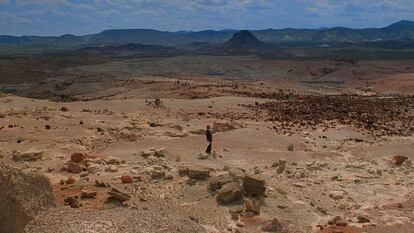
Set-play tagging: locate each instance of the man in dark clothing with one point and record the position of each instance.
(209, 137)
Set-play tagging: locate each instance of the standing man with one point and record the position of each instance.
(209, 137)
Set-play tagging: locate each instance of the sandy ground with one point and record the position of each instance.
(340, 170)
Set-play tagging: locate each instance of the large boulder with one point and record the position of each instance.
(254, 185)
(22, 196)
(198, 172)
(229, 193)
(219, 181)
(28, 156)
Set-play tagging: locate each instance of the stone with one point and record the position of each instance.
(112, 160)
(147, 153)
(251, 205)
(229, 193)
(77, 157)
(183, 171)
(94, 168)
(157, 174)
(160, 152)
(217, 182)
(28, 156)
(111, 168)
(254, 185)
(272, 226)
(119, 194)
(74, 167)
(127, 179)
(101, 183)
(398, 160)
(23, 195)
(203, 156)
(337, 195)
(198, 172)
(237, 173)
(363, 219)
(85, 194)
(70, 180)
(72, 202)
(337, 220)
(64, 109)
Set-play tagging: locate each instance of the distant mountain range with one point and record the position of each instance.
(402, 30)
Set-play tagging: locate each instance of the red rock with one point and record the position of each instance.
(127, 179)
(399, 159)
(74, 167)
(70, 180)
(77, 157)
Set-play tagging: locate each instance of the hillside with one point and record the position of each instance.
(401, 30)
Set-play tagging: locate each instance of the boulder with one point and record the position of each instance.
(203, 156)
(229, 193)
(237, 173)
(28, 156)
(127, 179)
(74, 167)
(272, 226)
(112, 160)
(72, 202)
(160, 152)
(23, 195)
(157, 174)
(337, 220)
(254, 185)
(85, 194)
(183, 171)
(119, 194)
(198, 172)
(398, 160)
(219, 181)
(251, 206)
(77, 157)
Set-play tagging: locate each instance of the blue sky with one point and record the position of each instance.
(56, 17)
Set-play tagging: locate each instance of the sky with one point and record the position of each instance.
(81, 17)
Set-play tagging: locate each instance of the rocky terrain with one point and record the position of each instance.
(117, 146)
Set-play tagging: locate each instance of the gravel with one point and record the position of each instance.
(65, 220)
